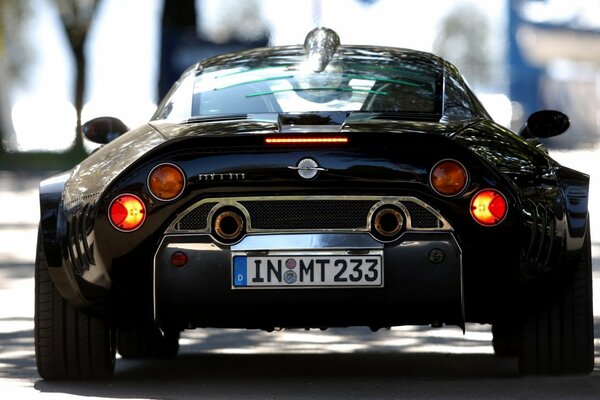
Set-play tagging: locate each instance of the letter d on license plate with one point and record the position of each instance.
(308, 271)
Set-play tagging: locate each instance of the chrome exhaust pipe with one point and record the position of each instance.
(228, 225)
(388, 222)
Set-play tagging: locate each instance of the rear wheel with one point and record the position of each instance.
(505, 339)
(147, 342)
(69, 344)
(560, 338)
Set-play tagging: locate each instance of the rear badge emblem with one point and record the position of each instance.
(227, 176)
(308, 168)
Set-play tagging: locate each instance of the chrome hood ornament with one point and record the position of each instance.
(320, 46)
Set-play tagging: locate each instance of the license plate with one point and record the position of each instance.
(307, 271)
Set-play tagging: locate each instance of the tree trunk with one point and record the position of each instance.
(80, 75)
(76, 18)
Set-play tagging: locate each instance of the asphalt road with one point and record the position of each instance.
(406, 362)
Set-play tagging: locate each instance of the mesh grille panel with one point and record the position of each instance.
(420, 217)
(309, 214)
(315, 214)
(196, 219)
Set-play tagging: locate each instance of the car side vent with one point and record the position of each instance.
(576, 195)
(79, 243)
(542, 234)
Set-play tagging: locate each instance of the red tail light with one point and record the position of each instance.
(127, 212)
(489, 207)
(306, 140)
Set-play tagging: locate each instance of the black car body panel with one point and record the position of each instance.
(389, 156)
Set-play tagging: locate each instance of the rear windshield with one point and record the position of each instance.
(341, 87)
(352, 82)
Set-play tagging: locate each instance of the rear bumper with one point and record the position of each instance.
(417, 288)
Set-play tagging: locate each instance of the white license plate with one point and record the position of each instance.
(307, 271)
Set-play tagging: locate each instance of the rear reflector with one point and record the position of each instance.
(127, 212)
(307, 140)
(489, 207)
(179, 259)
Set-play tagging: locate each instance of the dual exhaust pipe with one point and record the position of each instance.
(387, 223)
(229, 224)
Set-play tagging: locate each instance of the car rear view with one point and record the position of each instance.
(320, 186)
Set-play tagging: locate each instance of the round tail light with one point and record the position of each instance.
(127, 212)
(448, 177)
(166, 182)
(489, 207)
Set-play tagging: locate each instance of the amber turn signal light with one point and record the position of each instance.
(127, 212)
(166, 182)
(489, 207)
(448, 177)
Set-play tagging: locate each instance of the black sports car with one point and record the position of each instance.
(314, 186)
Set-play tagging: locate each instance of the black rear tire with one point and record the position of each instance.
(147, 342)
(560, 338)
(69, 344)
(506, 339)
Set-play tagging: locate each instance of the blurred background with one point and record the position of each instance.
(63, 62)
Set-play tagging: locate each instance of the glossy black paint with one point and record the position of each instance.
(109, 271)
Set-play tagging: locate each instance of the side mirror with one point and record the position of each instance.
(545, 124)
(103, 130)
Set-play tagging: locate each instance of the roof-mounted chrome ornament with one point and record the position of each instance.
(320, 46)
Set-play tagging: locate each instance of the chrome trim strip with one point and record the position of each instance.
(381, 201)
(299, 242)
